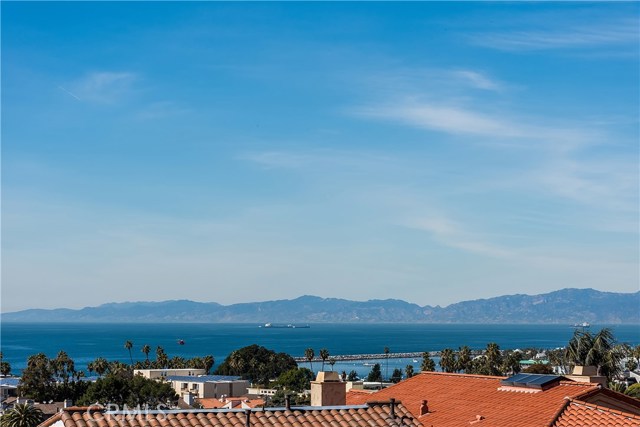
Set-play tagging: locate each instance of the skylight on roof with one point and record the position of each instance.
(535, 381)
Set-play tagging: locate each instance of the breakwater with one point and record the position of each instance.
(378, 356)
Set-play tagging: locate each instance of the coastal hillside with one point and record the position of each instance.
(563, 306)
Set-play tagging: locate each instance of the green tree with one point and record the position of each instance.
(447, 360)
(396, 376)
(617, 386)
(409, 371)
(427, 363)
(539, 368)
(353, 376)
(100, 366)
(278, 399)
(633, 390)
(463, 360)
(493, 359)
(511, 363)
(597, 350)
(309, 354)
(131, 390)
(37, 381)
(376, 374)
(22, 415)
(296, 379)
(63, 367)
(256, 364)
(557, 357)
(118, 368)
(146, 349)
(162, 360)
(209, 361)
(5, 368)
(635, 353)
(128, 345)
(386, 353)
(324, 355)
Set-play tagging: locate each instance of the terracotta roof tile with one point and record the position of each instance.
(458, 399)
(579, 414)
(347, 416)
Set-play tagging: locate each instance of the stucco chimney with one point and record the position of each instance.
(328, 390)
(587, 374)
(424, 408)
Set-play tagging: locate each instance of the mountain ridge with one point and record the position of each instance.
(568, 305)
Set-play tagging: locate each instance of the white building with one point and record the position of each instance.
(204, 386)
(163, 373)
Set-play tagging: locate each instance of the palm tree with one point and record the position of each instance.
(309, 355)
(324, 355)
(128, 345)
(162, 359)
(427, 363)
(146, 349)
(209, 361)
(595, 350)
(5, 367)
(447, 360)
(409, 371)
(463, 362)
(493, 359)
(332, 361)
(22, 415)
(63, 366)
(386, 352)
(100, 365)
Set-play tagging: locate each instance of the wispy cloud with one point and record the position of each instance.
(622, 32)
(458, 120)
(477, 80)
(452, 234)
(103, 87)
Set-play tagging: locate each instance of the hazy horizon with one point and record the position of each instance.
(426, 151)
(290, 298)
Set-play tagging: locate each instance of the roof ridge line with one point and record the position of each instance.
(563, 407)
(604, 408)
(458, 374)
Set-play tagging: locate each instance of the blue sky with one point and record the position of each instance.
(230, 152)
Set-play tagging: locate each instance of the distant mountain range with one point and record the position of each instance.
(564, 306)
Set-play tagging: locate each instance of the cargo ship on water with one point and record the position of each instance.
(283, 326)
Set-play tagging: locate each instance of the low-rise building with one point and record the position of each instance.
(209, 385)
(162, 373)
(193, 383)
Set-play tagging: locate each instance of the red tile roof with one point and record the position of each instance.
(458, 400)
(581, 414)
(359, 416)
(210, 403)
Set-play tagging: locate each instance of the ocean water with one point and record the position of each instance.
(85, 342)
